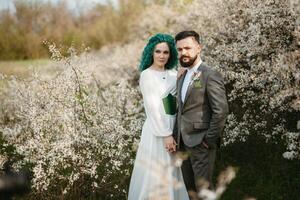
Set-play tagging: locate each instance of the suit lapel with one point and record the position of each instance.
(180, 83)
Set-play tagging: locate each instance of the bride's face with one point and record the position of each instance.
(161, 55)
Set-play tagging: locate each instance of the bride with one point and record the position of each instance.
(154, 174)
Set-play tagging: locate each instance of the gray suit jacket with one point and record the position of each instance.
(203, 113)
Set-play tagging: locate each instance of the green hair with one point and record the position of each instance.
(147, 56)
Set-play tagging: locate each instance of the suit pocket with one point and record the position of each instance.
(201, 125)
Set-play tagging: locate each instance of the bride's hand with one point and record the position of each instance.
(170, 144)
(180, 72)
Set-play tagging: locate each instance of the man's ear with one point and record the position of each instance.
(199, 48)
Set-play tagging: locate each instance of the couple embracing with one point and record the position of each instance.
(195, 128)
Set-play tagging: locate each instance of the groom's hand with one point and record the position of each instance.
(205, 145)
(170, 144)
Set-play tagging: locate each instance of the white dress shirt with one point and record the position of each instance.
(187, 79)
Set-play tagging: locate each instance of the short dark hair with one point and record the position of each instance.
(184, 34)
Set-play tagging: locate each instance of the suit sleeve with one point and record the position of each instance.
(219, 107)
(153, 107)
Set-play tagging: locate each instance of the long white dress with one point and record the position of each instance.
(154, 174)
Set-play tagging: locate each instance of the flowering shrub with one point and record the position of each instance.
(76, 127)
(72, 130)
(113, 63)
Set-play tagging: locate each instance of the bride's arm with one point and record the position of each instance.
(153, 107)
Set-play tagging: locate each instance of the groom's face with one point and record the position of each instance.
(189, 51)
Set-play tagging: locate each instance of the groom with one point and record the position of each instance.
(202, 111)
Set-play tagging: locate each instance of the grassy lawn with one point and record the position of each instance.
(22, 68)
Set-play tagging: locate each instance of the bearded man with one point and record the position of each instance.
(202, 111)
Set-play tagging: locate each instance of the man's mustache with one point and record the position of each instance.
(182, 57)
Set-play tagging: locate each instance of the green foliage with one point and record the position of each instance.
(22, 34)
(8, 150)
(263, 172)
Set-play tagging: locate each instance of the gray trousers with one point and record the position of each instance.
(199, 165)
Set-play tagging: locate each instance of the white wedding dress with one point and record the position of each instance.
(154, 174)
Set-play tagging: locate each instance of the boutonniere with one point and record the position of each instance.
(197, 84)
(196, 76)
(196, 79)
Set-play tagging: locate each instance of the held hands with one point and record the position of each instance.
(170, 144)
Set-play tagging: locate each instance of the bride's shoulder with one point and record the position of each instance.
(145, 75)
(172, 72)
(144, 72)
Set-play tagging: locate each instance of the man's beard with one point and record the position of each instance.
(189, 63)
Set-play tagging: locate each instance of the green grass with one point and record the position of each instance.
(21, 68)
